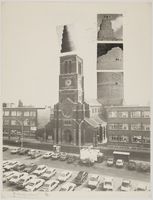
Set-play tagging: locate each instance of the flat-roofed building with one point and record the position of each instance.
(128, 126)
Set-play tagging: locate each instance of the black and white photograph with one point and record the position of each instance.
(76, 110)
(109, 56)
(110, 27)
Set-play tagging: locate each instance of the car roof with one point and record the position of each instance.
(41, 165)
(141, 185)
(86, 189)
(17, 173)
(119, 160)
(94, 175)
(51, 181)
(125, 181)
(108, 178)
(50, 169)
(67, 185)
(81, 172)
(35, 180)
(65, 171)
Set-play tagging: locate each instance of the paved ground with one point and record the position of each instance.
(99, 168)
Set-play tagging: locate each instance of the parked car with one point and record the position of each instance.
(30, 168)
(5, 148)
(35, 155)
(55, 156)
(64, 176)
(15, 151)
(93, 181)
(80, 178)
(141, 187)
(6, 162)
(19, 167)
(48, 155)
(11, 165)
(110, 162)
(126, 185)
(143, 167)
(107, 184)
(63, 156)
(34, 184)
(23, 151)
(15, 178)
(50, 185)
(40, 170)
(22, 182)
(85, 189)
(8, 175)
(70, 159)
(31, 151)
(68, 187)
(48, 174)
(131, 165)
(119, 163)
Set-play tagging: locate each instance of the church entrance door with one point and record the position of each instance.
(67, 137)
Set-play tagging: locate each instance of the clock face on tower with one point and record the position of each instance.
(68, 82)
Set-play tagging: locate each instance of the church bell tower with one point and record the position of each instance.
(69, 112)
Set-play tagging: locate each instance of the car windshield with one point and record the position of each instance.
(80, 175)
(31, 184)
(93, 178)
(110, 159)
(15, 177)
(63, 174)
(21, 180)
(11, 163)
(39, 168)
(48, 172)
(108, 183)
(46, 185)
(125, 184)
(63, 189)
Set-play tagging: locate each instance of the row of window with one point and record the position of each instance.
(69, 68)
(20, 113)
(126, 114)
(134, 139)
(95, 110)
(26, 122)
(134, 127)
(67, 122)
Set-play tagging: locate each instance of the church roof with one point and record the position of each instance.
(95, 121)
(93, 102)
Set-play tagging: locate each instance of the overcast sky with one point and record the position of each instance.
(31, 49)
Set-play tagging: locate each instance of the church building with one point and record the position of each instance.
(76, 122)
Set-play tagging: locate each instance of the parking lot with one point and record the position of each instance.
(99, 168)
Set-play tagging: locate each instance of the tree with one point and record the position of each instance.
(49, 129)
(39, 133)
(20, 103)
(4, 105)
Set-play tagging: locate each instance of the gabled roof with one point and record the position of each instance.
(93, 102)
(95, 121)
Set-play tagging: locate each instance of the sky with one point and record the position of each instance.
(31, 49)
